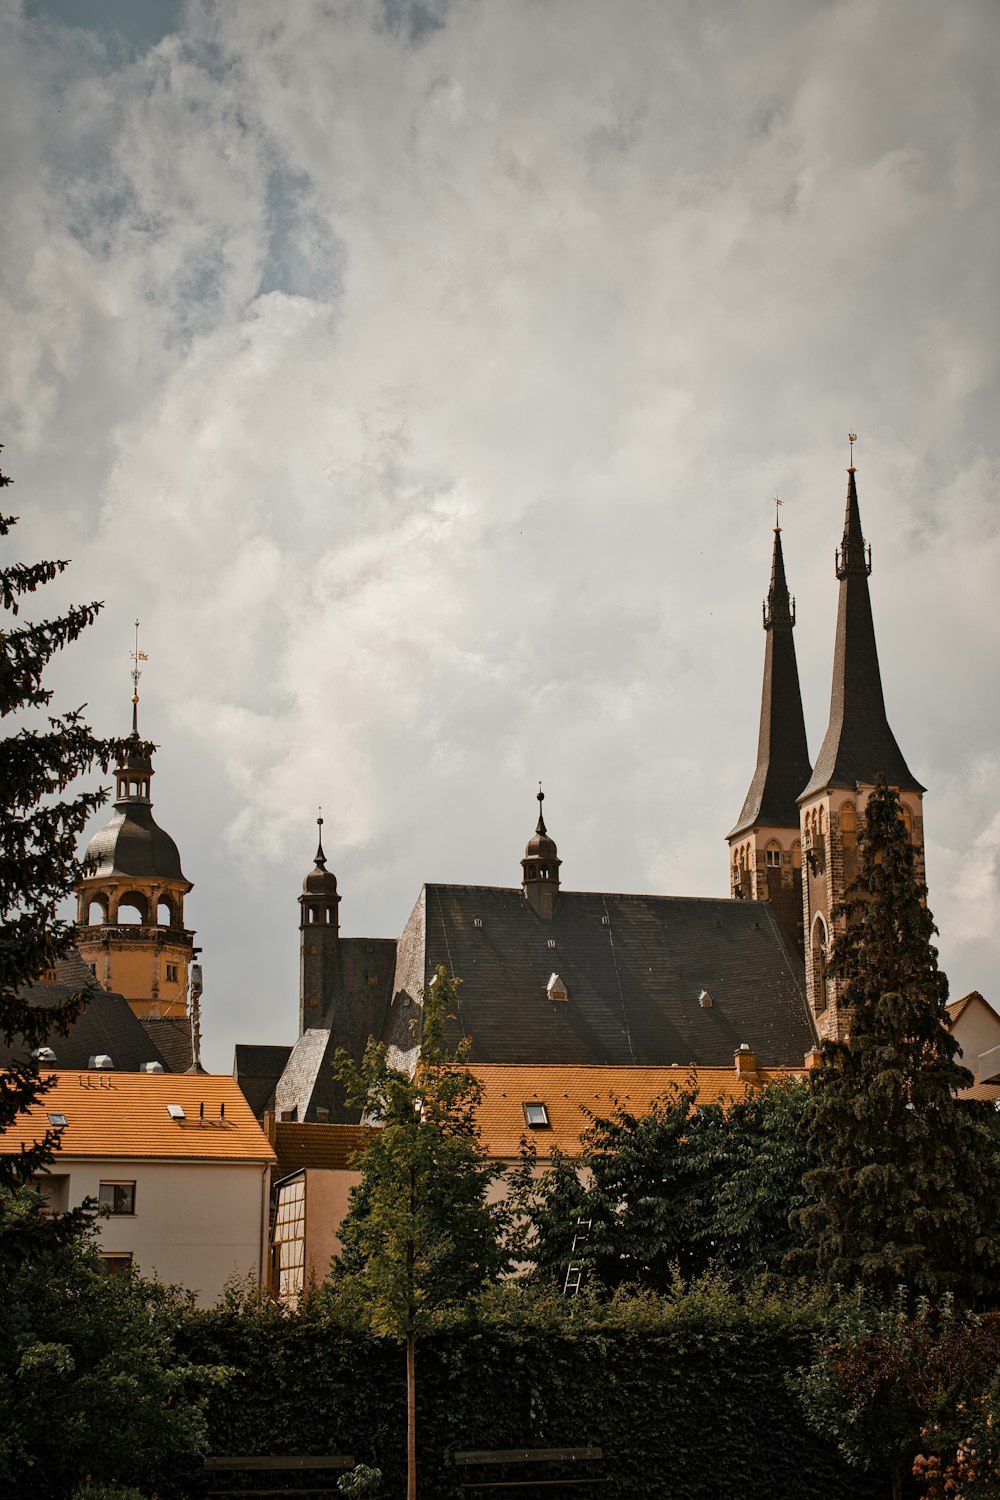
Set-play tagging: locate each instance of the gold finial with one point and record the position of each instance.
(137, 657)
(852, 438)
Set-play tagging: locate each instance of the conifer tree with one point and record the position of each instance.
(906, 1185)
(40, 824)
(420, 1237)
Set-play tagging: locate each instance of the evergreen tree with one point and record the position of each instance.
(419, 1238)
(39, 828)
(906, 1185)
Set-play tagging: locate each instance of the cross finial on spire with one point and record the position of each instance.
(137, 657)
(852, 438)
(540, 827)
(777, 506)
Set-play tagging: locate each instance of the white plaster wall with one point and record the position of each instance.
(195, 1223)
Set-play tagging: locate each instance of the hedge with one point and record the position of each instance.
(687, 1398)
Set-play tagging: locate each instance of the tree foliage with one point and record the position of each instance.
(40, 824)
(679, 1189)
(420, 1237)
(905, 1182)
(93, 1384)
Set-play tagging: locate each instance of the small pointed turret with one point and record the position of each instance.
(541, 866)
(859, 745)
(319, 944)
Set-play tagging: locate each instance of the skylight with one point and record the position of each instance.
(57, 1119)
(536, 1115)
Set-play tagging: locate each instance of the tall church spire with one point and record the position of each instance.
(782, 754)
(859, 745)
(766, 855)
(859, 750)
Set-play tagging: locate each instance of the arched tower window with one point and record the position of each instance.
(133, 908)
(819, 964)
(97, 911)
(772, 855)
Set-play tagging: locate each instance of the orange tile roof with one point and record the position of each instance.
(567, 1092)
(305, 1144)
(125, 1115)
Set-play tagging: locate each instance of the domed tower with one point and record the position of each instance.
(541, 867)
(130, 916)
(319, 945)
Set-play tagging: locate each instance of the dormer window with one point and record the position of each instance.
(536, 1116)
(555, 989)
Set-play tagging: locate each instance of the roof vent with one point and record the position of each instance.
(477, 921)
(551, 942)
(605, 921)
(705, 1000)
(44, 1055)
(151, 1067)
(101, 1060)
(555, 989)
(176, 1112)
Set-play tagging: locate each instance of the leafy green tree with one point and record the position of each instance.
(906, 1187)
(901, 1391)
(40, 824)
(420, 1238)
(678, 1189)
(93, 1384)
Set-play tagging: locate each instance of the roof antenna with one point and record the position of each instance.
(137, 657)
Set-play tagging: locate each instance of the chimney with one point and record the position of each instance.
(813, 1058)
(745, 1061)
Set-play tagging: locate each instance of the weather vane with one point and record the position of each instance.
(777, 506)
(137, 657)
(852, 438)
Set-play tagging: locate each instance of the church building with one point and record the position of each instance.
(610, 980)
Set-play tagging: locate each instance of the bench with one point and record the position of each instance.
(287, 1465)
(566, 1456)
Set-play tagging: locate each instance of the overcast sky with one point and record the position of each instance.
(421, 375)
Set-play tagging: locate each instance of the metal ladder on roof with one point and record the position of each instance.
(576, 1268)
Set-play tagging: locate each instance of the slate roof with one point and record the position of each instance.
(634, 967)
(124, 1115)
(171, 1036)
(859, 745)
(106, 1025)
(257, 1068)
(568, 1093)
(782, 753)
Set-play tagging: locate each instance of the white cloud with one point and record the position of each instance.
(425, 399)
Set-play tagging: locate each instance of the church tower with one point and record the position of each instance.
(541, 868)
(319, 943)
(765, 849)
(130, 903)
(859, 748)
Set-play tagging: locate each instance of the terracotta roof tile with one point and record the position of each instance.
(568, 1092)
(125, 1115)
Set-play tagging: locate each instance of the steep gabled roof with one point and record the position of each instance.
(635, 970)
(859, 745)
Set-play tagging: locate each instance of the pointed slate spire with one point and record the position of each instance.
(782, 753)
(859, 745)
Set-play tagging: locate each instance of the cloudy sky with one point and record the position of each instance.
(421, 375)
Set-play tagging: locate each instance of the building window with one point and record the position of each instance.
(171, 973)
(116, 1262)
(117, 1197)
(772, 856)
(536, 1115)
